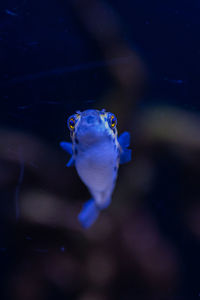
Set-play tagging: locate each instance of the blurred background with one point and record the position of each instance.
(139, 60)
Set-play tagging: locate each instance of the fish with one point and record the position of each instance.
(96, 152)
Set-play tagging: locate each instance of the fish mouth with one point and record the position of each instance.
(91, 129)
(91, 134)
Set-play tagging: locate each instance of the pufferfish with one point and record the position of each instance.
(96, 151)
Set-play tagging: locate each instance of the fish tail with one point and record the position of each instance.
(88, 214)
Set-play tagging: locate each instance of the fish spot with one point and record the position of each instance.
(115, 168)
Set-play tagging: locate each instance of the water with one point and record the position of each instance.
(139, 60)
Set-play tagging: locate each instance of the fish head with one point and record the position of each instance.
(92, 126)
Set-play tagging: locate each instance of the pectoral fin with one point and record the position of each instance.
(68, 148)
(124, 141)
(70, 162)
(125, 156)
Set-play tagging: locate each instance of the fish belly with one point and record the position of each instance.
(96, 168)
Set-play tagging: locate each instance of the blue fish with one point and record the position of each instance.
(96, 151)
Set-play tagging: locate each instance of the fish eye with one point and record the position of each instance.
(112, 121)
(71, 122)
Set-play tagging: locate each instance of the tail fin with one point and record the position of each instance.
(88, 214)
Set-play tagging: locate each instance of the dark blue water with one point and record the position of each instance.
(140, 60)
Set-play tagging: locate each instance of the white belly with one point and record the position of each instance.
(96, 167)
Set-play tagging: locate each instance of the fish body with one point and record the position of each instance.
(96, 153)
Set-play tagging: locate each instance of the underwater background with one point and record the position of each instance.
(139, 60)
